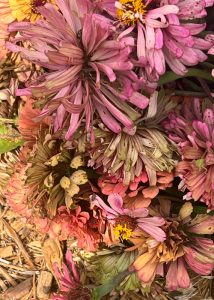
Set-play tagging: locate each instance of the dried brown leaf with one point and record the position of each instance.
(53, 253)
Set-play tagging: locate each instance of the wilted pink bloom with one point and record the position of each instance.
(17, 193)
(110, 184)
(84, 56)
(26, 124)
(125, 221)
(69, 281)
(180, 249)
(71, 223)
(210, 38)
(163, 32)
(193, 131)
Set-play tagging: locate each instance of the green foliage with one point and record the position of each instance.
(9, 138)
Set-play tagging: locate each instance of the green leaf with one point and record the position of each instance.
(9, 138)
(107, 287)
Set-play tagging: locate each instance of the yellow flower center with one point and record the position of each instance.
(123, 232)
(130, 11)
(124, 227)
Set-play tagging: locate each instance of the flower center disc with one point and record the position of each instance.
(124, 226)
(130, 11)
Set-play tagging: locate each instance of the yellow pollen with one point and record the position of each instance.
(122, 231)
(130, 11)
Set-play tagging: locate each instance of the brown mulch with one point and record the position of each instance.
(25, 259)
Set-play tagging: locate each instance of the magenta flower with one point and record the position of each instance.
(163, 32)
(125, 221)
(69, 281)
(193, 131)
(83, 56)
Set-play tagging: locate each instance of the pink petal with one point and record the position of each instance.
(116, 202)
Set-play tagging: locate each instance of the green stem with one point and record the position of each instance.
(171, 76)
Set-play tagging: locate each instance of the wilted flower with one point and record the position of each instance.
(125, 221)
(71, 223)
(7, 97)
(7, 163)
(17, 194)
(49, 169)
(192, 129)
(210, 38)
(84, 58)
(164, 32)
(139, 154)
(110, 184)
(180, 249)
(28, 128)
(70, 287)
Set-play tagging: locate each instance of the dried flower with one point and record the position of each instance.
(71, 223)
(49, 169)
(180, 249)
(192, 129)
(69, 281)
(81, 70)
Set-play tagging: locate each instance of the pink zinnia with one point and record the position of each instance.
(110, 184)
(163, 32)
(84, 56)
(210, 38)
(69, 281)
(180, 250)
(125, 221)
(193, 131)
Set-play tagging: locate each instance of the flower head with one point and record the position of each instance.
(69, 282)
(192, 129)
(50, 170)
(84, 57)
(180, 249)
(163, 33)
(71, 224)
(125, 221)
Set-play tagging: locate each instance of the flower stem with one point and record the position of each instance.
(171, 76)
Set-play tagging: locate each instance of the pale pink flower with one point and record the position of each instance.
(125, 221)
(192, 129)
(210, 38)
(163, 33)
